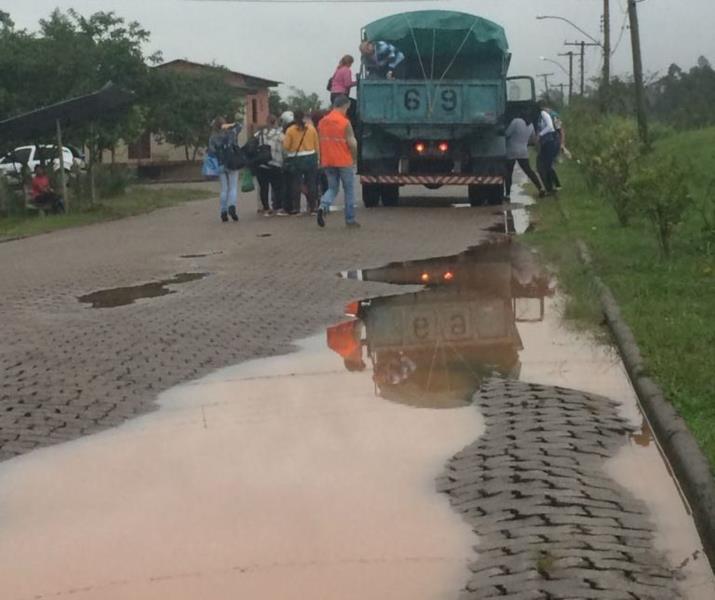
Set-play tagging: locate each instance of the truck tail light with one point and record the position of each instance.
(443, 147)
(448, 276)
(420, 147)
(424, 278)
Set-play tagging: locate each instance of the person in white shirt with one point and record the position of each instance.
(548, 149)
(518, 135)
(270, 175)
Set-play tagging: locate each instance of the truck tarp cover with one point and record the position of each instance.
(448, 32)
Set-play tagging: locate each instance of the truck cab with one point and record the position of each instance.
(442, 120)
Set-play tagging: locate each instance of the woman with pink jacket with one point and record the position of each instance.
(342, 82)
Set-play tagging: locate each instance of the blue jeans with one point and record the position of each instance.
(229, 189)
(335, 175)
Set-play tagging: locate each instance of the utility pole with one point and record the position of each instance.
(546, 80)
(638, 73)
(582, 45)
(561, 86)
(605, 84)
(570, 55)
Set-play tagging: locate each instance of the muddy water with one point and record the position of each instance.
(121, 296)
(492, 309)
(283, 478)
(312, 475)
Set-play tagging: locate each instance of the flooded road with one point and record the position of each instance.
(283, 478)
(312, 475)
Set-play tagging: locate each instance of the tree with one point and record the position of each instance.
(182, 106)
(276, 104)
(299, 100)
(5, 20)
(93, 50)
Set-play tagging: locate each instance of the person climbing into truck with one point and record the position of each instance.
(382, 60)
(338, 150)
(548, 149)
(518, 135)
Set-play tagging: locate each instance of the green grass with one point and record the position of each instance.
(669, 304)
(137, 200)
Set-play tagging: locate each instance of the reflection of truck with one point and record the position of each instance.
(442, 122)
(433, 347)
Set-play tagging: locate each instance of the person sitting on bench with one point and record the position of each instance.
(43, 196)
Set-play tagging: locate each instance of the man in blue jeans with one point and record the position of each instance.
(338, 149)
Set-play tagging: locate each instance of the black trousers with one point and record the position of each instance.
(270, 178)
(303, 180)
(548, 151)
(49, 201)
(526, 167)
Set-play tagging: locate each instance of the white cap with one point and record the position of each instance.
(287, 117)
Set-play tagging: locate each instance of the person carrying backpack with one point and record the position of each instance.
(270, 174)
(223, 144)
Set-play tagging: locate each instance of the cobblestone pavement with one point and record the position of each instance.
(551, 524)
(67, 370)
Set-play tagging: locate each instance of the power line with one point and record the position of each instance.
(319, 1)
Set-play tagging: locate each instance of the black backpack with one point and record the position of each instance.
(230, 155)
(257, 152)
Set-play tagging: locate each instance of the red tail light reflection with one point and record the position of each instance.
(443, 147)
(352, 308)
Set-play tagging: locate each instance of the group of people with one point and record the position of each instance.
(549, 134)
(311, 155)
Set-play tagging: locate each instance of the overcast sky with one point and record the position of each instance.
(300, 43)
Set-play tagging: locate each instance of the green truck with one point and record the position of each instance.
(442, 120)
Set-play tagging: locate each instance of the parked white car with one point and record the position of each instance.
(13, 161)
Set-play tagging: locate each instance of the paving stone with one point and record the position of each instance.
(551, 523)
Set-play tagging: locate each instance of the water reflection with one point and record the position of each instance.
(432, 348)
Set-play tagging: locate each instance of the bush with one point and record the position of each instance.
(705, 203)
(659, 190)
(111, 180)
(608, 149)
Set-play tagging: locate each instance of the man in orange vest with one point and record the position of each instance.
(338, 149)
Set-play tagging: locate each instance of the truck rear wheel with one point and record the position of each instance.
(486, 195)
(370, 195)
(390, 195)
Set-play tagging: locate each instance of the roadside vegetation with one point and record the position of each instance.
(648, 219)
(123, 201)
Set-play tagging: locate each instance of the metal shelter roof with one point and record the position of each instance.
(75, 110)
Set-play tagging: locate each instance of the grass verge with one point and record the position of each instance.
(137, 200)
(669, 304)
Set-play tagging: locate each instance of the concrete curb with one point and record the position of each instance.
(690, 465)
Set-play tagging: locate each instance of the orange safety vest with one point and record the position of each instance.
(334, 149)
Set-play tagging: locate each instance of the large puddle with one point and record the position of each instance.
(312, 475)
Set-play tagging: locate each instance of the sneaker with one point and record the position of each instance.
(281, 213)
(224, 217)
(352, 224)
(321, 219)
(268, 213)
(232, 212)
